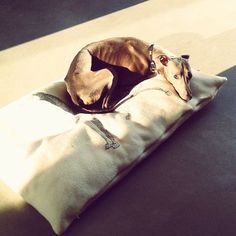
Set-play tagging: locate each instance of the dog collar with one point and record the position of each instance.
(152, 66)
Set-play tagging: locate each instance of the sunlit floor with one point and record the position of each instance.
(204, 29)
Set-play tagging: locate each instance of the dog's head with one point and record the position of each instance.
(178, 72)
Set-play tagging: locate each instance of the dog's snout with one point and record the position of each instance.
(189, 75)
(189, 97)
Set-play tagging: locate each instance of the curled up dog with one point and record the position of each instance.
(104, 72)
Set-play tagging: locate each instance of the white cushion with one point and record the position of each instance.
(60, 162)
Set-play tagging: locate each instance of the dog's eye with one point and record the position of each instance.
(176, 76)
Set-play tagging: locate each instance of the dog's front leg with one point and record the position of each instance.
(95, 85)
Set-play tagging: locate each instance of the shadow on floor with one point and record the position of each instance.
(183, 188)
(22, 21)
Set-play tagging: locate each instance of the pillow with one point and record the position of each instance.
(60, 162)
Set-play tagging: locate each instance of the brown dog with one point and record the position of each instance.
(103, 72)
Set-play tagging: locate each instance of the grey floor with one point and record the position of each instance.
(22, 21)
(185, 188)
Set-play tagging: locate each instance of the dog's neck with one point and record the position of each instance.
(152, 66)
(155, 56)
(155, 53)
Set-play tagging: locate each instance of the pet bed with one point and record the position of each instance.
(60, 162)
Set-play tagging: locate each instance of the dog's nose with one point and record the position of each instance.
(189, 97)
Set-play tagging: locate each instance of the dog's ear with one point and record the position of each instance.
(185, 56)
(164, 60)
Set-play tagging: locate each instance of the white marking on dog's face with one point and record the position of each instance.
(178, 72)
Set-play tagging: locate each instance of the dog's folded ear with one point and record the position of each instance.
(185, 56)
(164, 59)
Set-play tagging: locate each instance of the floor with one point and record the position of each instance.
(181, 189)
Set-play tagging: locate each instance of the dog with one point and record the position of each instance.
(102, 70)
